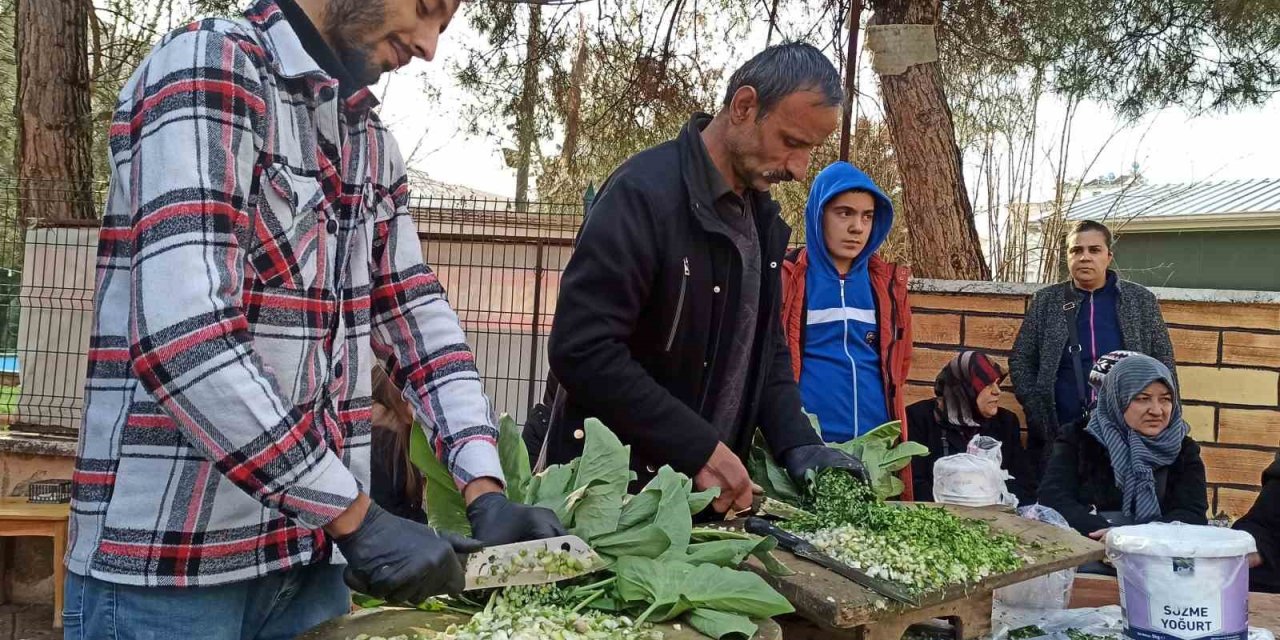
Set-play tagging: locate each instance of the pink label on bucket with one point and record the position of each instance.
(1167, 598)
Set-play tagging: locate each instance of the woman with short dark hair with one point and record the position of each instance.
(1069, 325)
(1133, 462)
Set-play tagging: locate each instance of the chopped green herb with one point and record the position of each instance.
(924, 548)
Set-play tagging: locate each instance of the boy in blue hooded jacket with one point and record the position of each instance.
(845, 311)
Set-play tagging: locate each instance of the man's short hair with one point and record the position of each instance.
(1082, 226)
(784, 69)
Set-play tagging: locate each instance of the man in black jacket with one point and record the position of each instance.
(667, 325)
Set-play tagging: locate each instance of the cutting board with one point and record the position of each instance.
(833, 602)
(389, 623)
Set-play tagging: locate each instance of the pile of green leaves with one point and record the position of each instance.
(878, 449)
(924, 548)
(538, 613)
(662, 567)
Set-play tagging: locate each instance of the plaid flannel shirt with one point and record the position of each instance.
(256, 255)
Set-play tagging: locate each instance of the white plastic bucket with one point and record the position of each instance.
(1182, 581)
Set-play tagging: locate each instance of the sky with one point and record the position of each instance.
(1169, 146)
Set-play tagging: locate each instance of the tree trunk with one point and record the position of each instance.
(939, 216)
(573, 103)
(54, 119)
(525, 124)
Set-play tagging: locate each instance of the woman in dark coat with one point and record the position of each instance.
(1133, 462)
(1263, 522)
(967, 403)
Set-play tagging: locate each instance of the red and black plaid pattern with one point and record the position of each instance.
(256, 255)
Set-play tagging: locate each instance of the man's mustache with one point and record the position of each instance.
(780, 175)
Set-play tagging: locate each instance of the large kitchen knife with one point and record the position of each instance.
(535, 562)
(805, 549)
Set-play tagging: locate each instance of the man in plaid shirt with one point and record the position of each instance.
(256, 255)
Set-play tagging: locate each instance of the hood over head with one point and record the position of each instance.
(836, 179)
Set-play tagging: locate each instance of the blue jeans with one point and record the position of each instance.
(279, 606)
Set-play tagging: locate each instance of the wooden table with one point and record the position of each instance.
(830, 606)
(1100, 591)
(392, 622)
(21, 518)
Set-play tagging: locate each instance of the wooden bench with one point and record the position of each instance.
(21, 518)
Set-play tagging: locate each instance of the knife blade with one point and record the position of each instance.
(522, 563)
(805, 549)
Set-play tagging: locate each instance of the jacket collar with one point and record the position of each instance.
(693, 171)
(285, 34)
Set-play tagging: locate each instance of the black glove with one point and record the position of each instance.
(497, 520)
(799, 461)
(399, 560)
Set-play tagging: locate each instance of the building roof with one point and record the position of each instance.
(421, 186)
(1227, 199)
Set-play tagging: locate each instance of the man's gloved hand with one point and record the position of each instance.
(399, 560)
(497, 520)
(799, 461)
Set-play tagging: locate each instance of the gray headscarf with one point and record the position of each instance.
(1134, 457)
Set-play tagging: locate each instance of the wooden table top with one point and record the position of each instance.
(20, 509)
(1100, 591)
(832, 600)
(392, 622)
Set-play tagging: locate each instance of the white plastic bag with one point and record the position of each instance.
(1048, 592)
(987, 447)
(971, 480)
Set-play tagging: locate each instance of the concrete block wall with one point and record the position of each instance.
(1227, 346)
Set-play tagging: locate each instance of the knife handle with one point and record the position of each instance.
(786, 540)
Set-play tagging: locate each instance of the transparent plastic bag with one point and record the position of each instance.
(1048, 592)
(987, 447)
(971, 480)
(1026, 623)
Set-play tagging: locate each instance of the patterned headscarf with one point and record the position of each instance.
(1134, 457)
(1100, 370)
(959, 384)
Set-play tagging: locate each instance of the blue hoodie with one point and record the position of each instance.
(840, 379)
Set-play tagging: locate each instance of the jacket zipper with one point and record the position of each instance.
(893, 342)
(853, 364)
(675, 324)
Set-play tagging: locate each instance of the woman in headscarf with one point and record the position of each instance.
(966, 404)
(1133, 462)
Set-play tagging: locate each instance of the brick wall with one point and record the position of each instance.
(1228, 351)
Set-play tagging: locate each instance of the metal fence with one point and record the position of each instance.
(499, 261)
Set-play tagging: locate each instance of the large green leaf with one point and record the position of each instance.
(771, 477)
(718, 624)
(648, 542)
(446, 509)
(660, 511)
(731, 550)
(700, 500)
(673, 515)
(639, 509)
(711, 534)
(671, 588)
(897, 458)
(514, 457)
(888, 433)
(551, 488)
(603, 475)
(728, 553)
